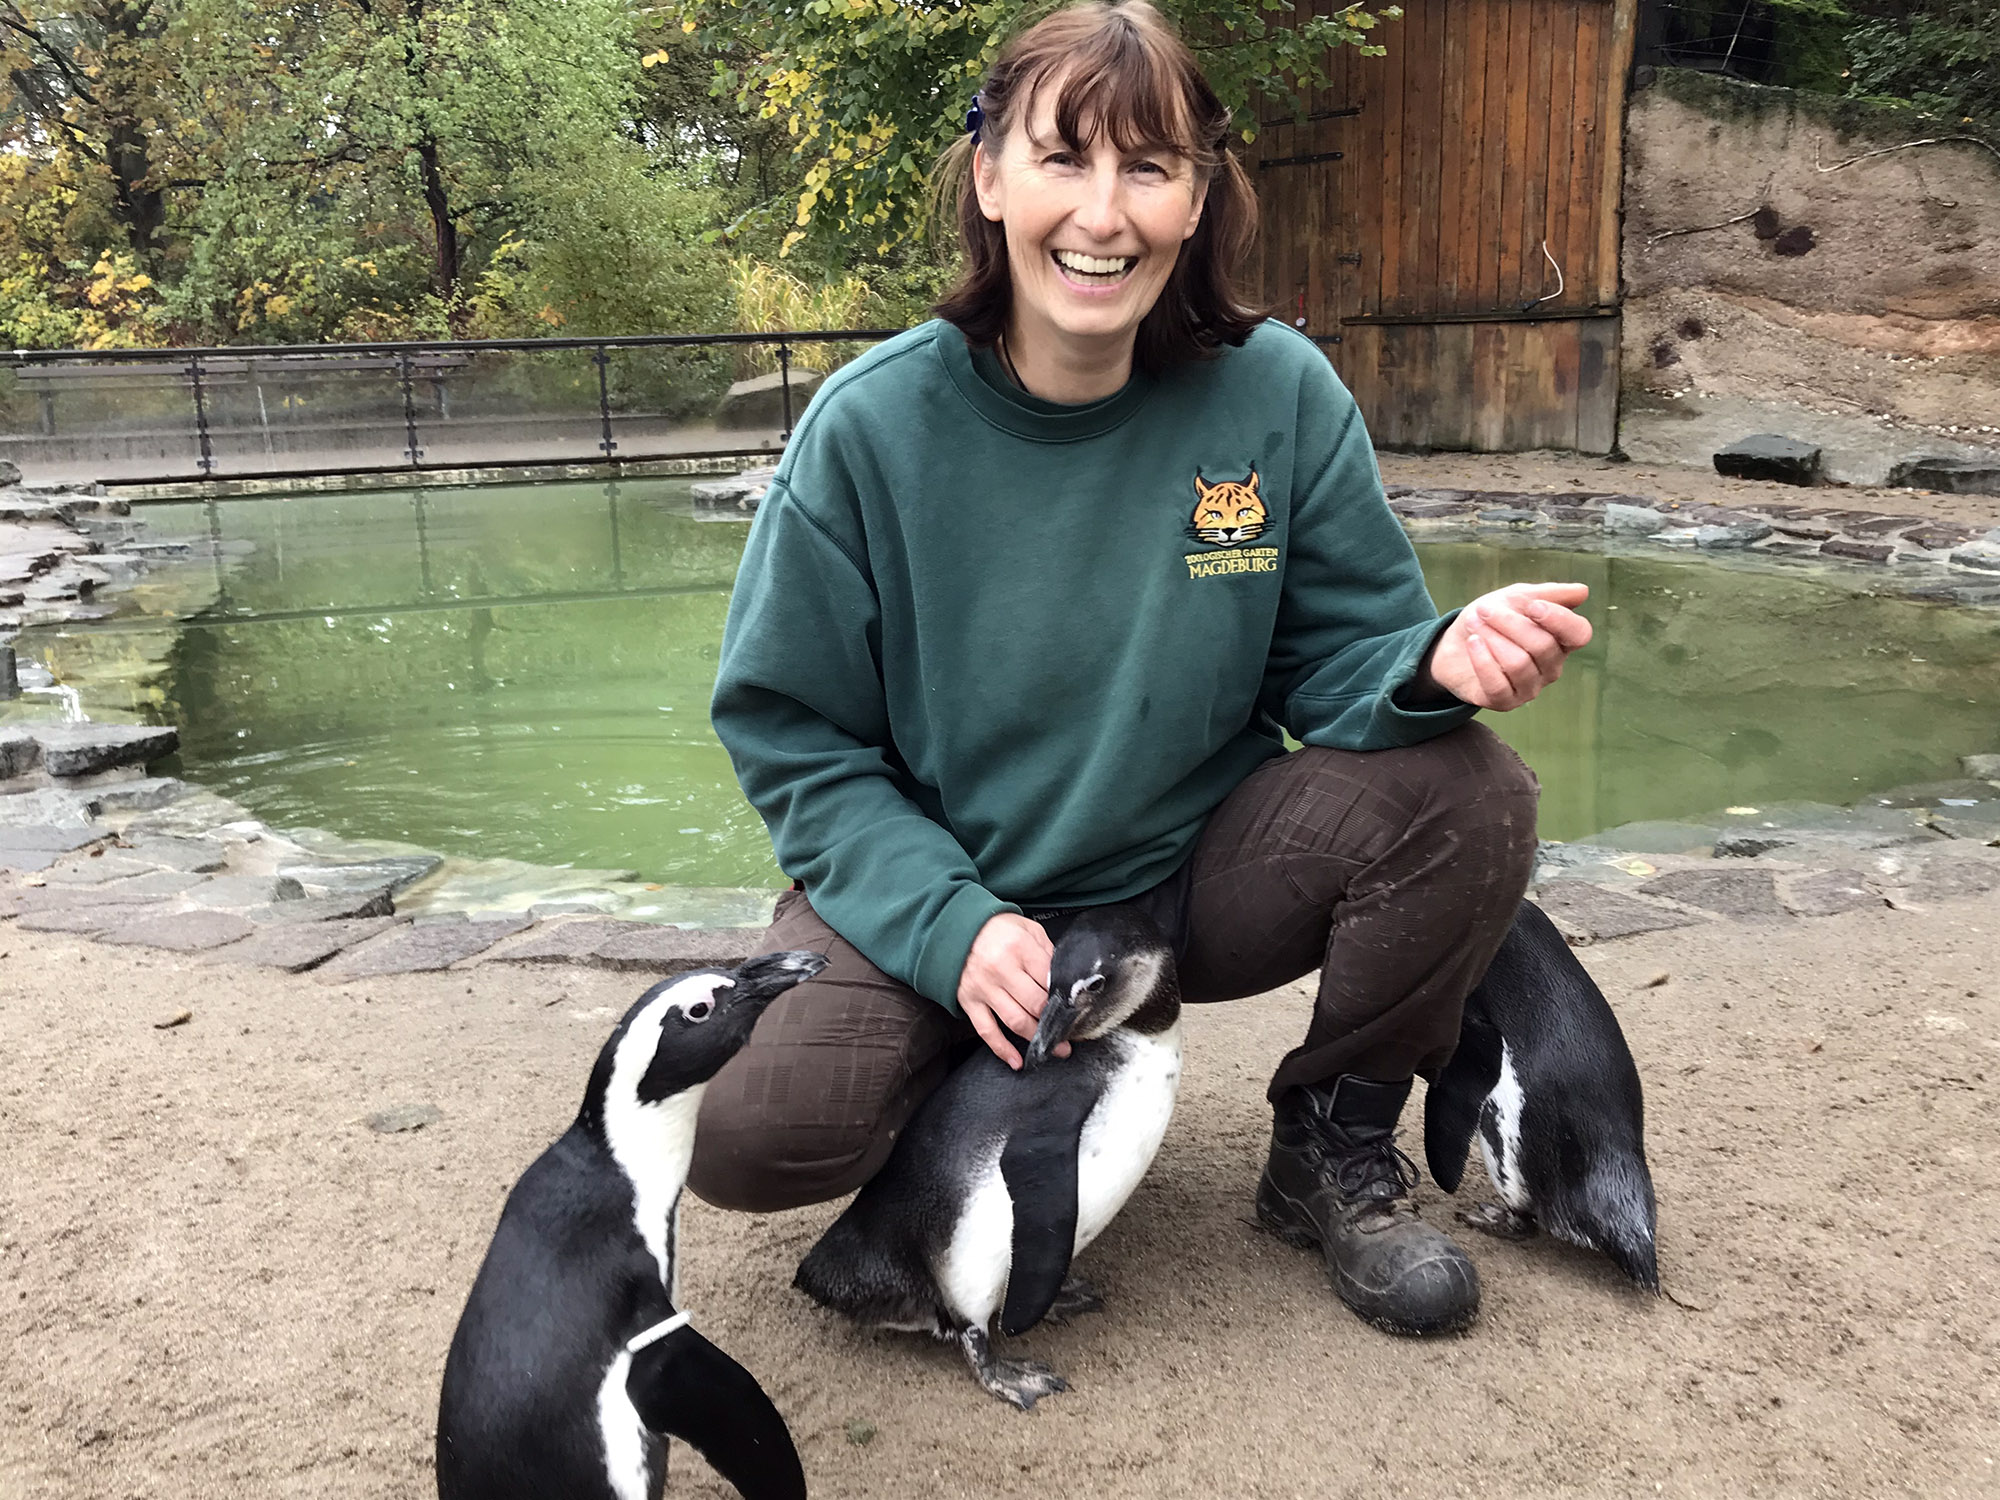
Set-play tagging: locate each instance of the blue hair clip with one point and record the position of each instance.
(975, 120)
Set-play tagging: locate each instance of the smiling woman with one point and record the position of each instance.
(1022, 620)
(1099, 153)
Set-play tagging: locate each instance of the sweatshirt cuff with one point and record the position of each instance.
(1410, 726)
(942, 958)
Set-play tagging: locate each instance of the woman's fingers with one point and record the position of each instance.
(1498, 691)
(1566, 625)
(1544, 651)
(990, 1033)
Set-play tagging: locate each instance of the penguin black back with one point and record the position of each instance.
(1543, 1076)
(570, 1358)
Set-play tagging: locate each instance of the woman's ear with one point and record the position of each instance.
(986, 181)
(1194, 211)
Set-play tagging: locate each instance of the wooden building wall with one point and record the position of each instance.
(1404, 220)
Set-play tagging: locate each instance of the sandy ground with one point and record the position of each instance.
(1568, 471)
(216, 1281)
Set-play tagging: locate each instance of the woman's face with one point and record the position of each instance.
(1091, 236)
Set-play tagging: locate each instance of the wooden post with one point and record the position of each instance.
(1611, 186)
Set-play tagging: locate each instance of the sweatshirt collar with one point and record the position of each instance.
(980, 379)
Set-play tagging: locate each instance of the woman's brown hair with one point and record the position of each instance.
(1123, 70)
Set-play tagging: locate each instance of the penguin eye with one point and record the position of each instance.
(700, 1010)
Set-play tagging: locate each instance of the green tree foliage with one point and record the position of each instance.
(872, 90)
(1941, 55)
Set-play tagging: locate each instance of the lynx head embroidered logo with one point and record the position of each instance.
(1229, 513)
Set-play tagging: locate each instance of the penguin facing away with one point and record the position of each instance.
(1543, 1076)
(1001, 1178)
(570, 1359)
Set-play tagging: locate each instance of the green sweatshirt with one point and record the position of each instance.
(987, 652)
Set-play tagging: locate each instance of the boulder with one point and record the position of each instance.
(1632, 520)
(743, 491)
(1768, 456)
(760, 402)
(10, 472)
(1954, 476)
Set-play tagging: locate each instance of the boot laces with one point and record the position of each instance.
(1379, 1170)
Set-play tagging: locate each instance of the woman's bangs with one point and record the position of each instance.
(1125, 91)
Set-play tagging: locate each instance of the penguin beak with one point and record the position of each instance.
(762, 979)
(1059, 1018)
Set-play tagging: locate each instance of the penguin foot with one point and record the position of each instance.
(1076, 1298)
(1498, 1220)
(1019, 1382)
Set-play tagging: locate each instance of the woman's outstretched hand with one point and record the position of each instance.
(1005, 983)
(1506, 646)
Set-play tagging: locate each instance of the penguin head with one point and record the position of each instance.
(1108, 963)
(677, 1036)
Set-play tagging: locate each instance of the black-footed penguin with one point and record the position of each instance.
(570, 1357)
(1002, 1177)
(1542, 1073)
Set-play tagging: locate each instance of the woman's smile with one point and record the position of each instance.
(1093, 272)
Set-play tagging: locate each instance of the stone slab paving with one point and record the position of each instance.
(298, 946)
(246, 890)
(603, 943)
(308, 909)
(181, 931)
(1729, 893)
(94, 919)
(48, 807)
(95, 866)
(83, 749)
(176, 852)
(36, 849)
(135, 890)
(144, 794)
(1943, 879)
(418, 948)
(1826, 893)
(1587, 913)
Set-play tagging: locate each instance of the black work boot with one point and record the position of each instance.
(1336, 1180)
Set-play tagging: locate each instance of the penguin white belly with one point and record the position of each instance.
(1500, 1136)
(1124, 1130)
(972, 1274)
(623, 1433)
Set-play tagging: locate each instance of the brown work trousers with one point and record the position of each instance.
(1394, 873)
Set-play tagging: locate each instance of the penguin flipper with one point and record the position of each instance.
(1039, 1168)
(1454, 1099)
(687, 1388)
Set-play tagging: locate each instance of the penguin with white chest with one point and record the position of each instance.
(1543, 1076)
(571, 1360)
(1001, 1178)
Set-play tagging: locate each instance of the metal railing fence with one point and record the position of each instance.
(276, 411)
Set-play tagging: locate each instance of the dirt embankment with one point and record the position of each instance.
(1777, 271)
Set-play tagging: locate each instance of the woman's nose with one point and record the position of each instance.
(1102, 212)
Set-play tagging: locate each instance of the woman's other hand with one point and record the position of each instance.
(1005, 983)
(1506, 646)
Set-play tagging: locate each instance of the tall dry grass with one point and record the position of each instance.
(770, 300)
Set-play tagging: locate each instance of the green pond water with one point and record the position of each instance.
(524, 672)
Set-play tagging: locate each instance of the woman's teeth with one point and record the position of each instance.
(1094, 268)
